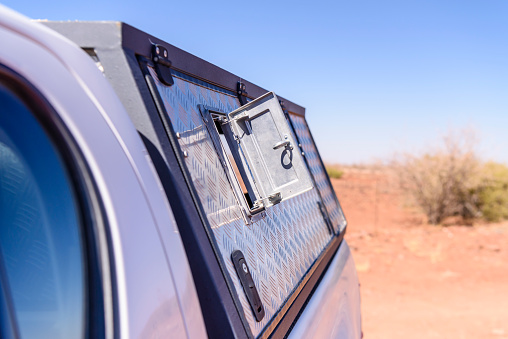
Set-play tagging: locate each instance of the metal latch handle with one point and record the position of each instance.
(281, 144)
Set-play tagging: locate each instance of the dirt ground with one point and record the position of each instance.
(418, 280)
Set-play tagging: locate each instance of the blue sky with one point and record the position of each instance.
(376, 77)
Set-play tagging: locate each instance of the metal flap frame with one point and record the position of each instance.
(265, 145)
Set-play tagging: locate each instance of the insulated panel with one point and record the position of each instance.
(319, 173)
(280, 248)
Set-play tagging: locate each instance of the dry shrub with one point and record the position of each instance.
(445, 181)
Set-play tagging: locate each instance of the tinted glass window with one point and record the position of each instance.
(39, 228)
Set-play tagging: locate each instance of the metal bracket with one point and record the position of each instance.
(241, 92)
(275, 198)
(241, 116)
(162, 64)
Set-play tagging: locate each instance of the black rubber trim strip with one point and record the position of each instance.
(202, 83)
(286, 324)
(92, 213)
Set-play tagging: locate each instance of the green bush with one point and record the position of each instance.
(334, 172)
(493, 195)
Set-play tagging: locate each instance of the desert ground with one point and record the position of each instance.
(419, 280)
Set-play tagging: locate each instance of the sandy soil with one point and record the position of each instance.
(418, 280)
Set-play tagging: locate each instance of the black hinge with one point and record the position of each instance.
(241, 92)
(284, 109)
(248, 284)
(162, 64)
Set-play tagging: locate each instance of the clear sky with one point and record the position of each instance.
(376, 77)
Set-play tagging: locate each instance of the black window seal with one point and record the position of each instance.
(94, 232)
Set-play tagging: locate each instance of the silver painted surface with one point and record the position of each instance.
(334, 309)
(319, 173)
(155, 288)
(279, 248)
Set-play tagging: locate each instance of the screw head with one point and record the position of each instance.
(165, 53)
(244, 267)
(157, 50)
(185, 154)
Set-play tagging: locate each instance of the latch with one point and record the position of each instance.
(283, 143)
(162, 64)
(248, 284)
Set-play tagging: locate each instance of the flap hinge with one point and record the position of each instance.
(241, 92)
(162, 64)
(275, 198)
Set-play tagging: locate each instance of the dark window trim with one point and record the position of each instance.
(96, 239)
